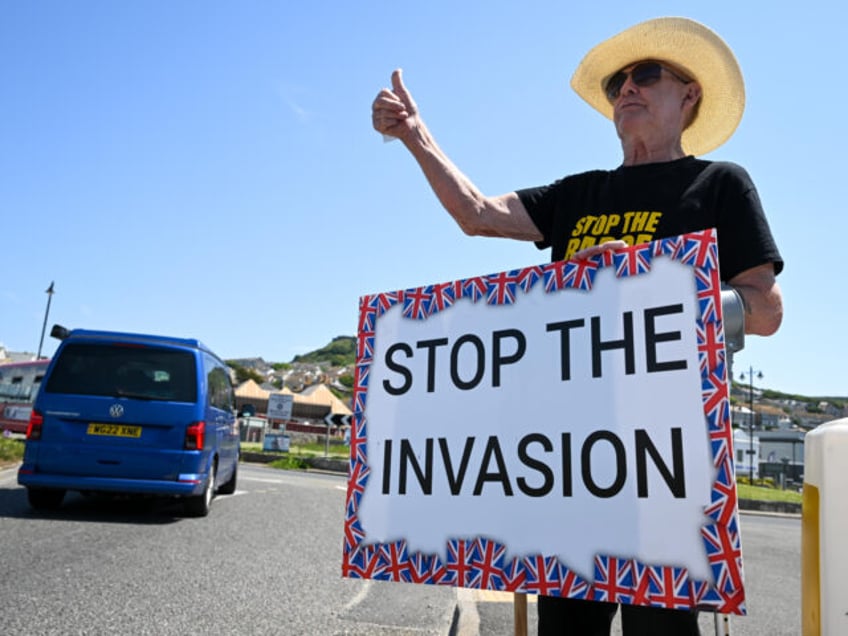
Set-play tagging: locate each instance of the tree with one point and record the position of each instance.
(243, 374)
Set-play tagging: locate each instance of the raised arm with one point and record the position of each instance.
(395, 113)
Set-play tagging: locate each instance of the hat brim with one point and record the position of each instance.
(689, 46)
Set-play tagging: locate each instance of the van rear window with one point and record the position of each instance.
(145, 373)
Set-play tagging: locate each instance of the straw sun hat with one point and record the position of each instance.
(687, 45)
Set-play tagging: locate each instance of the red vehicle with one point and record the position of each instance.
(19, 383)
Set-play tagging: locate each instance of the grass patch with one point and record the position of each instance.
(760, 493)
(305, 450)
(11, 450)
(290, 462)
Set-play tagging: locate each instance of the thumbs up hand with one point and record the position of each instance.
(394, 112)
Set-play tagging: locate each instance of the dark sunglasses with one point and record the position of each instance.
(643, 74)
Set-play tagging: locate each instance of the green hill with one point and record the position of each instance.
(340, 352)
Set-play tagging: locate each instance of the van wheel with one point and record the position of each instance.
(230, 487)
(198, 506)
(45, 498)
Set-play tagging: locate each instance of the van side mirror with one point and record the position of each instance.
(59, 332)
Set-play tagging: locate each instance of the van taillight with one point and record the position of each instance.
(194, 436)
(36, 420)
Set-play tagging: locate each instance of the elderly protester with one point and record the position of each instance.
(674, 91)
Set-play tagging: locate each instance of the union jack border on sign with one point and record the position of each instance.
(479, 562)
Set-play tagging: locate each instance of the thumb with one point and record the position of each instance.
(399, 88)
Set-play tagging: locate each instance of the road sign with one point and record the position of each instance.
(280, 406)
(337, 419)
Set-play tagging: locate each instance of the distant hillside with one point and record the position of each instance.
(340, 352)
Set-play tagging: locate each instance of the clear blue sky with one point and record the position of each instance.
(209, 169)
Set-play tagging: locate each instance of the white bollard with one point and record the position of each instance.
(824, 528)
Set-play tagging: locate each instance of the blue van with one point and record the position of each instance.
(126, 413)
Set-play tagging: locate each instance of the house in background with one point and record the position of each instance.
(309, 408)
(746, 453)
(782, 455)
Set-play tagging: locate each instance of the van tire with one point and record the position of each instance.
(45, 498)
(230, 487)
(199, 505)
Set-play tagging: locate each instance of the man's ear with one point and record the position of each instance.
(693, 93)
(691, 102)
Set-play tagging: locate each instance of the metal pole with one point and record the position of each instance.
(49, 292)
(751, 422)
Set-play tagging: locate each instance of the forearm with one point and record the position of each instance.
(475, 213)
(455, 191)
(761, 298)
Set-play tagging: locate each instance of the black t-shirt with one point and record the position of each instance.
(653, 201)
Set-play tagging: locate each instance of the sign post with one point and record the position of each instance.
(280, 407)
(333, 419)
(520, 610)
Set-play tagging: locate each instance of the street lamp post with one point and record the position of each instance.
(751, 417)
(49, 291)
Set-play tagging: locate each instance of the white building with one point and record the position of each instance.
(746, 453)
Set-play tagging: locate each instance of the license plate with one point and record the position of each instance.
(114, 430)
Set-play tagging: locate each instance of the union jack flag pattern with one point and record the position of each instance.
(732, 596)
(364, 347)
(553, 276)
(480, 562)
(580, 274)
(614, 581)
(724, 554)
(359, 393)
(542, 575)
(475, 288)
(529, 276)
(699, 250)
(668, 247)
(356, 482)
(711, 352)
(721, 440)
(572, 585)
(723, 508)
(361, 373)
(642, 583)
(367, 315)
(461, 555)
(443, 297)
(441, 574)
(714, 394)
(705, 596)
(487, 566)
(364, 562)
(669, 587)
(421, 567)
(708, 288)
(353, 532)
(514, 575)
(385, 301)
(633, 260)
(501, 288)
(395, 561)
(416, 302)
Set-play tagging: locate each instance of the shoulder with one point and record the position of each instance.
(568, 182)
(725, 170)
(722, 177)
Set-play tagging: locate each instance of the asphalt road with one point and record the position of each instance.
(267, 561)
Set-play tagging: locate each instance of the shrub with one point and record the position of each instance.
(11, 450)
